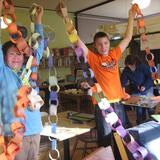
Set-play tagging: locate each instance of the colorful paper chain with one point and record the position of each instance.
(142, 31)
(112, 119)
(17, 38)
(94, 89)
(53, 102)
(15, 34)
(8, 151)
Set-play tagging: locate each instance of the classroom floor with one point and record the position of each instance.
(43, 154)
(77, 155)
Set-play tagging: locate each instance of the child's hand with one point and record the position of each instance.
(156, 99)
(61, 10)
(39, 14)
(132, 13)
(126, 96)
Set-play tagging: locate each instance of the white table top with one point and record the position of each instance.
(66, 128)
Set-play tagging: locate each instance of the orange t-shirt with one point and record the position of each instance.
(106, 72)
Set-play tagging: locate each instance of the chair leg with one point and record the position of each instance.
(84, 150)
(74, 148)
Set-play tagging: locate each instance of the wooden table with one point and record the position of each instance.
(140, 101)
(143, 102)
(77, 97)
(66, 130)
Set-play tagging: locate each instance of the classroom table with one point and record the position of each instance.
(141, 101)
(66, 129)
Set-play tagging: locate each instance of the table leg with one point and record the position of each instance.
(66, 149)
(78, 104)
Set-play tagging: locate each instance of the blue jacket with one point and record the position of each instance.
(140, 77)
(9, 85)
(33, 122)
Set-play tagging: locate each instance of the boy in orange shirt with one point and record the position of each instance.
(104, 64)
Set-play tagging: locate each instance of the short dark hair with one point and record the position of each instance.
(6, 46)
(23, 30)
(100, 35)
(132, 60)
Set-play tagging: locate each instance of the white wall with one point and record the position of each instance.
(88, 27)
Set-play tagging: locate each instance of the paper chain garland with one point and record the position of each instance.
(53, 83)
(113, 120)
(8, 151)
(142, 31)
(94, 89)
(15, 34)
(53, 102)
(33, 41)
(25, 97)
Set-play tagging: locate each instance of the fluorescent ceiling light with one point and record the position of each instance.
(99, 19)
(142, 3)
(116, 36)
(3, 25)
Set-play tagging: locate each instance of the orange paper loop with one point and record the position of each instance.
(34, 76)
(34, 62)
(17, 126)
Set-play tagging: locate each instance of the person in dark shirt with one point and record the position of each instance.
(138, 76)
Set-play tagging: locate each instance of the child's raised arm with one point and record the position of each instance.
(39, 29)
(1, 54)
(1, 4)
(39, 14)
(129, 31)
(71, 31)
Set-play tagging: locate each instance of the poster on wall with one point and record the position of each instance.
(153, 42)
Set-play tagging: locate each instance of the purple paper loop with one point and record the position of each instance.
(79, 51)
(141, 152)
(53, 95)
(115, 125)
(121, 131)
(50, 61)
(45, 43)
(132, 146)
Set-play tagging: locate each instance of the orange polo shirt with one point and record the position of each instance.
(106, 72)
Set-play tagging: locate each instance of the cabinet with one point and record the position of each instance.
(63, 57)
